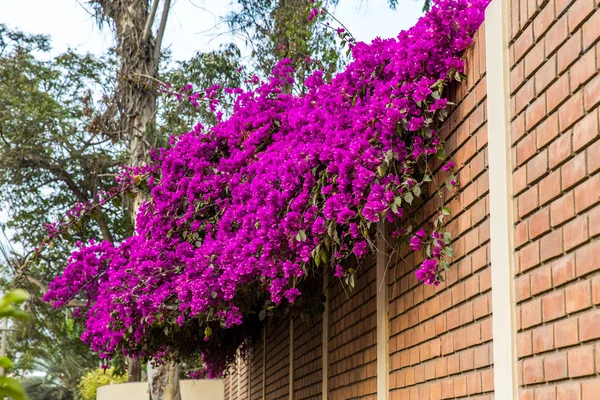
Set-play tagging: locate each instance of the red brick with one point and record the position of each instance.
(545, 393)
(561, 6)
(558, 92)
(525, 42)
(551, 245)
(553, 306)
(522, 288)
(590, 389)
(520, 180)
(588, 193)
(537, 167)
(591, 30)
(562, 209)
(524, 96)
(573, 171)
(535, 112)
(575, 232)
(568, 391)
(526, 148)
(578, 297)
(566, 333)
(550, 187)
(521, 234)
(569, 52)
(596, 289)
(541, 280)
(460, 386)
(543, 20)
(591, 93)
(533, 371)
(531, 313)
(529, 256)
(571, 111)
(593, 160)
(526, 394)
(586, 258)
(528, 201)
(585, 131)
(556, 35)
(524, 348)
(487, 380)
(534, 59)
(517, 127)
(589, 326)
(547, 130)
(581, 361)
(516, 77)
(563, 270)
(578, 12)
(560, 150)
(583, 69)
(543, 339)
(555, 366)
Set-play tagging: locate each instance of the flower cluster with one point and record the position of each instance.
(287, 184)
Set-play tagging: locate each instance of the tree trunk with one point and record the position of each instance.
(163, 382)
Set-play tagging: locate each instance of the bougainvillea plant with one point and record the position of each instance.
(285, 188)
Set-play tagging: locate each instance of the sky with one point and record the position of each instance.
(193, 25)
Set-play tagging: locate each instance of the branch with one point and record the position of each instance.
(161, 29)
(149, 21)
(44, 290)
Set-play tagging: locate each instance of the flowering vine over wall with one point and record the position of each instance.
(285, 188)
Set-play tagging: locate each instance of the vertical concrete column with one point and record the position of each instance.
(382, 316)
(501, 200)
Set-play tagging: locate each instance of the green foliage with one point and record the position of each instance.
(10, 387)
(43, 388)
(91, 381)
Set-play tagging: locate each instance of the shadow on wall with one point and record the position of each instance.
(207, 389)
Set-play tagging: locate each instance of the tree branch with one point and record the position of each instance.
(150, 21)
(161, 30)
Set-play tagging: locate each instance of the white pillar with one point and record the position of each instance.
(325, 343)
(382, 316)
(501, 200)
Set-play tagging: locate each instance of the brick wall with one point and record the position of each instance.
(440, 343)
(555, 90)
(441, 338)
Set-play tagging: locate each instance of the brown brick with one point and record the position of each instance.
(533, 371)
(596, 289)
(520, 180)
(524, 348)
(581, 361)
(531, 313)
(590, 389)
(551, 245)
(573, 171)
(584, 69)
(541, 280)
(593, 161)
(516, 77)
(522, 288)
(545, 393)
(588, 193)
(543, 20)
(543, 339)
(553, 306)
(586, 258)
(526, 394)
(555, 366)
(578, 297)
(569, 52)
(560, 150)
(521, 234)
(534, 59)
(566, 333)
(591, 93)
(585, 131)
(594, 222)
(558, 92)
(575, 232)
(571, 111)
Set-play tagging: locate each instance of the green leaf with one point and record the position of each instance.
(11, 388)
(449, 252)
(417, 191)
(408, 197)
(5, 362)
(446, 211)
(262, 315)
(207, 331)
(426, 178)
(301, 236)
